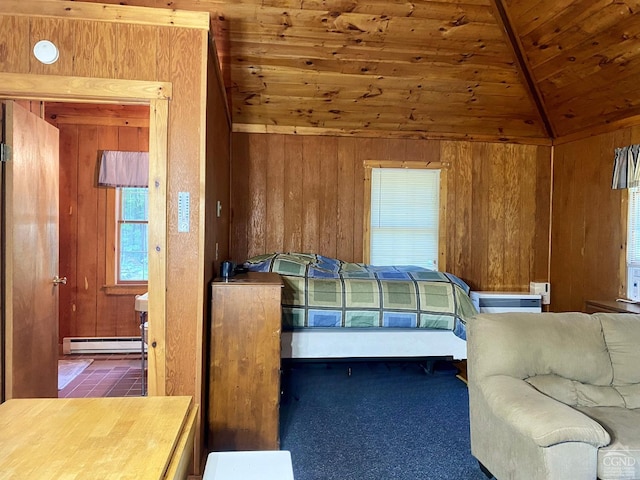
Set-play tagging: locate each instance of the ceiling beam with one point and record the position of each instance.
(513, 41)
(367, 133)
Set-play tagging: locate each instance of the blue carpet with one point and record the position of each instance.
(387, 421)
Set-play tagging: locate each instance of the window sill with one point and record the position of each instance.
(137, 289)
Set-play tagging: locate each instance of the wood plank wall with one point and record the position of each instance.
(110, 50)
(90, 48)
(216, 228)
(299, 193)
(588, 237)
(153, 45)
(86, 309)
(218, 174)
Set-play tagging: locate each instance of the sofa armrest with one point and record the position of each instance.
(537, 416)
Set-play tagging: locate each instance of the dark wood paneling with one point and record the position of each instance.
(293, 186)
(68, 229)
(217, 188)
(346, 172)
(86, 248)
(108, 314)
(85, 308)
(275, 194)
(169, 48)
(497, 201)
(587, 234)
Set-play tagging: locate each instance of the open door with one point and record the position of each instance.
(30, 254)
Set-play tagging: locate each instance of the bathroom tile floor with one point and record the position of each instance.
(109, 375)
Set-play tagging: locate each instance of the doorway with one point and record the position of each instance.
(156, 95)
(97, 318)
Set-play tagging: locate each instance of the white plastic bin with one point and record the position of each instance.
(253, 465)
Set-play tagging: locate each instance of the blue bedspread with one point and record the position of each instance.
(326, 292)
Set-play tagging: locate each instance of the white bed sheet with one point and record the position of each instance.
(316, 343)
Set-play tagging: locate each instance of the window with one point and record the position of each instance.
(404, 218)
(633, 244)
(132, 219)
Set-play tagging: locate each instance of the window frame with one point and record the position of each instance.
(442, 220)
(112, 283)
(625, 286)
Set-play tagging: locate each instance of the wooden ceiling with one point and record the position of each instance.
(584, 57)
(518, 70)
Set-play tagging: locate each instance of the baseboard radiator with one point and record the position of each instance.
(100, 345)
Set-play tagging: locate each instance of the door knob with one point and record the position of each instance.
(57, 280)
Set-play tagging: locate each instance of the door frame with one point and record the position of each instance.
(156, 95)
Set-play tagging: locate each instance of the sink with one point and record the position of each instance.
(142, 302)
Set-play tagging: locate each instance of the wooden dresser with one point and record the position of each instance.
(610, 306)
(244, 362)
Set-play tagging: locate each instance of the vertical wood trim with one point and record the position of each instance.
(552, 154)
(110, 228)
(366, 224)
(158, 143)
(7, 327)
(2, 246)
(202, 220)
(442, 225)
(624, 217)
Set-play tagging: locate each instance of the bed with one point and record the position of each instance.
(333, 309)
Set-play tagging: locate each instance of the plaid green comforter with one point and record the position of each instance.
(326, 292)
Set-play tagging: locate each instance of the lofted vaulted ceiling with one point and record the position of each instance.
(584, 57)
(502, 68)
(523, 70)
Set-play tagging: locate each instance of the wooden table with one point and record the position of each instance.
(107, 438)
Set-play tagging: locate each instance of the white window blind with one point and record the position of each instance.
(405, 208)
(633, 244)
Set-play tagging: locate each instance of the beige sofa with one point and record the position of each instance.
(555, 396)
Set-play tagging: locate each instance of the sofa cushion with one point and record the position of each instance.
(621, 458)
(575, 393)
(622, 336)
(523, 345)
(631, 394)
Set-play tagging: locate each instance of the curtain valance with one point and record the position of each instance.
(626, 168)
(124, 169)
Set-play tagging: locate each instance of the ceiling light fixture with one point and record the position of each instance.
(46, 52)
